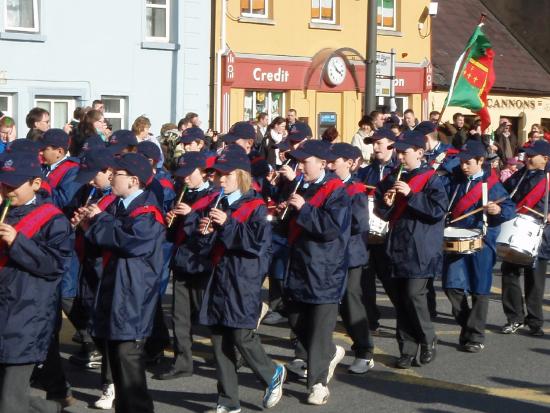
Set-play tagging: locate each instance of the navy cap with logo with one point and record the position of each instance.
(410, 139)
(190, 161)
(538, 148)
(136, 165)
(191, 134)
(240, 130)
(94, 162)
(122, 139)
(317, 148)
(426, 127)
(92, 143)
(380, 134)
(18, 167)
(345, 150)
(24, 145)
(229, 160)
(299, 131)
(472, 149)
(56, 138)
(149, 150)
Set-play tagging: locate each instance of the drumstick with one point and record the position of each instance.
(370, 186)
(220, 196)
(392, 197)
(293, 193)
(5, 210)
(180, 198)
(533, 211)
(475, 211)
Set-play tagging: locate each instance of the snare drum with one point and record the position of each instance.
(462, 240)
(378, 229)
(519, 240)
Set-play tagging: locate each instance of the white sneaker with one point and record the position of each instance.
(338, 356)
(274, 391)
(298, 367)
(361, 366)
(223, 409)
(318, 395)
(105, 402)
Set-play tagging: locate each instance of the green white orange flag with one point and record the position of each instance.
(473, 77)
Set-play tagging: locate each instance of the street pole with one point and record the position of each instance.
(370, 77)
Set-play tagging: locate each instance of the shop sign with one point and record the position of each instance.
(279, 75)
(513, 103)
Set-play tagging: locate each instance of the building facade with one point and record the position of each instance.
(309, 56)
(147, 57)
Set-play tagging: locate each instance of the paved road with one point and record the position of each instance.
(511, 375)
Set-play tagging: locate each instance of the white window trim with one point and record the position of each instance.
(268, 103)
(71, 105)
(265, 15)
(394, 27)
(36, 17)
(114, 115)
(165, 39)
(9, 110)
(324, 21)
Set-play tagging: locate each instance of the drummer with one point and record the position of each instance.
(471, 274)
(527, 188)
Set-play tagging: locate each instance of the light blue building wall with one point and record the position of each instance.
(66, 53)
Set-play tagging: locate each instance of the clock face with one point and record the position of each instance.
(335, 72)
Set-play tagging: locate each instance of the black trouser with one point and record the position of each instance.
(15, 389)
(414, 325)
(276, 301)
(512, 298)
(471, 320)
(106, 373)
(160, 337)
(354, 314)
(224, 342)
(187, 298)
(78, 316)
(431, 296)
(378, 266)
(128, 366)
(313, 325)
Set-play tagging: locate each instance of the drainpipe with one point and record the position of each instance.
(221, 51)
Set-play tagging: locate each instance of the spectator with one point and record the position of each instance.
(193, 118)
(8, 132)
(396, 129)
(99, 105)
(506, 141)
(511, 168)
(92, 124)
(330, 134)
(377, 119)
(409, 120)
(291, 118)
(434, 116)
(184, 123)
(262, 122)
(366, 130)
(38, 122)
(275, 133)
(532, 137)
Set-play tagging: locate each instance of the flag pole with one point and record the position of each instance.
(482, 19)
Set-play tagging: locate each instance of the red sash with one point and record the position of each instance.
(166, 183)
(240, 215)
(58, 173)
(31, 223)
(294, 230)
(417, 184)
(105, 201)
(356, 188)
(473, 196)
(256, 186)
(533, 197)
(79, 246)
(199, 205)
(448, 152)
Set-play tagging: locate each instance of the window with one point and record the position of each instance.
(254, 8)
(323, 11)
(401, 102)
(115, 111)
(61, 109)
(6, 105)
(256, 101)
(386, 15)
(545, 123)
(157, 15)
(21, 15)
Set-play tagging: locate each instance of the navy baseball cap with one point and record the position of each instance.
(92, 143)
(24, 145)
(229, 160)
(94, 162)
(299, 131)
(137, 165)
(410, 139)
(149, 150)
(284, 145)
(317, 148)
(190, 161)
(240, 130)
(380, 134)
(538, 148)
(191, 134)
(122, 139)
(18, 167)
(345, 150)
(56, 138)
(426, 127)
(472, 149)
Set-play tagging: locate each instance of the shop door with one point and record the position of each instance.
(327, 103)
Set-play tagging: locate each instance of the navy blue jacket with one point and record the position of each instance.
(371, 174)
(63, 194)
(414, 243)
(318, 263)
(29, 292)
(358, 243)
(129, 288)
(449, 163)
(233, 294)
(163, 188)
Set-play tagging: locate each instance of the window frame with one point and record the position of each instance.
(268, 103)
(382, 27)
(168, 8)
(323, 21)
(9, 110)
(71, 106)
(36, 17)
(122, 115)
(265, 15)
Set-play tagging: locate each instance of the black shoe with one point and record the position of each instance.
(405, 361)
(172, 374)
(274, 318)
(152, 359)
(536, 331)
(473, 347)
(87, 359)
(427, 354)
